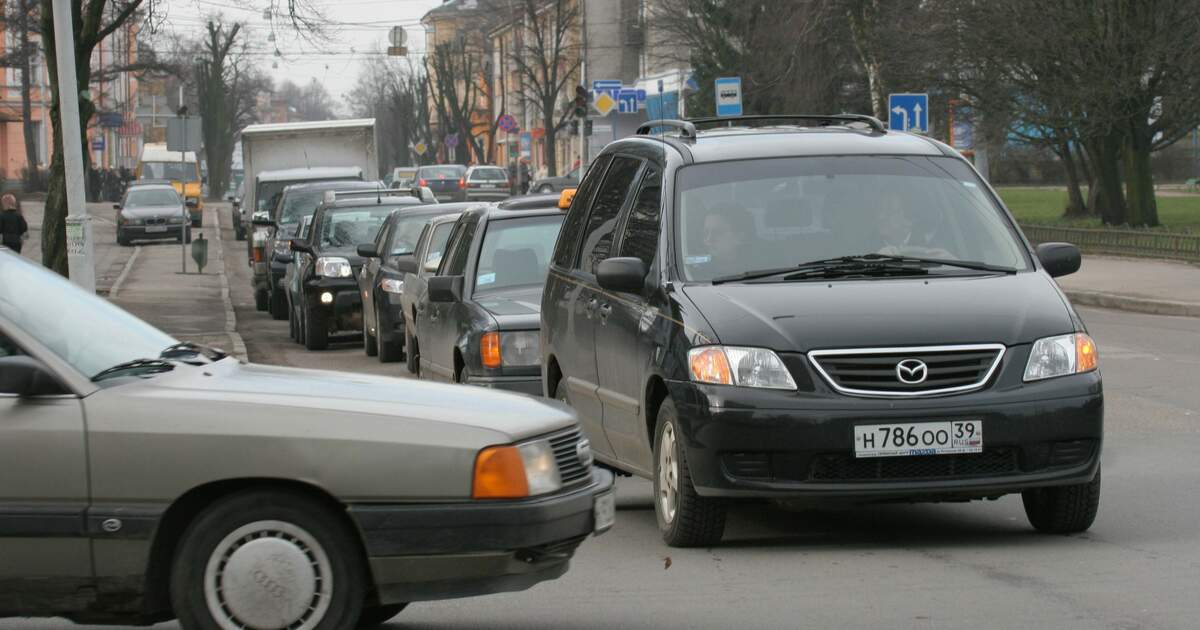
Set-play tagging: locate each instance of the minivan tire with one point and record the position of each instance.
(412, 354)
(316, 337)
(698, 521)
(378, 615)
(370, 343)
(302, 528)
(278, 305)
(1063, 509)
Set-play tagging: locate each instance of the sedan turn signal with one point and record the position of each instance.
(489, 349)
(499, 474)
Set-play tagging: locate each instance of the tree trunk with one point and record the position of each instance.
(1109, 199)
(551, 137)
(1075, 206)
(1139, 180)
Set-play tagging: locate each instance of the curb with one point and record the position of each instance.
(1133, 304)
(239, 346)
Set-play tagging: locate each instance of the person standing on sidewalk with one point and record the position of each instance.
(13, 228)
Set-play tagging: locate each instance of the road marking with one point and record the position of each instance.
(116, 287)
(239, 346)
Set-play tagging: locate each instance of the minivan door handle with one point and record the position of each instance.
(590, 308)
(605, 311)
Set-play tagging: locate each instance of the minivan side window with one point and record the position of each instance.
(459, 249)
(568, 239)
(602, 222)
(641, 228)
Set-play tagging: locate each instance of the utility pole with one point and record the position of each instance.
(583, 140)
(80, 247)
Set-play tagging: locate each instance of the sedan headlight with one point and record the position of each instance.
(514, 472)
(128, 220)
(743, 367)
(175, 220)
(1061, 356)
(333, 267)
(391, 285)
(510, 349)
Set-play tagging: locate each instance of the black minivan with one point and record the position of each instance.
(817, 309)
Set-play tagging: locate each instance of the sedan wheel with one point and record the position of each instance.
(267, 560)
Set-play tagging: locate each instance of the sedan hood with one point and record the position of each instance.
(803, 316)
(514, 309)
(145, 212)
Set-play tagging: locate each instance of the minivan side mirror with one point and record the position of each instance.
(367, 250)
(445, 288)
(626, 274)
(1059, 259)
(405, 263)
(26, 376)
(300, 245)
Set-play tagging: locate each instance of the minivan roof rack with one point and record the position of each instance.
(686, 129)
(827, 119)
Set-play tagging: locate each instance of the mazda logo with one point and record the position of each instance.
(912, 371)
(583, 451)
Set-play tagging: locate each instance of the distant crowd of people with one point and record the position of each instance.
(108, 184)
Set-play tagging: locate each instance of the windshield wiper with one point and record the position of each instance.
(186, 349)
(150, 366)
(861, 265)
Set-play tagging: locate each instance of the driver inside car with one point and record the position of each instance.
(894, 224)
(727, 236)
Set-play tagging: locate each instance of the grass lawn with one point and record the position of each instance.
(1044, 206)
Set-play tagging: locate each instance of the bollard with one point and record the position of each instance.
(200, 252)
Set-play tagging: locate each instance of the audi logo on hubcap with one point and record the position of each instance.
(912, 371)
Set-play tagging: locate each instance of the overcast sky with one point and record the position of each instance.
(357, 29)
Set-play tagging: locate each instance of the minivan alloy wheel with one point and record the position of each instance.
(668, 475)
(268, 574)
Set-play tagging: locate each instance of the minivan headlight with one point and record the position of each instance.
(1060, 356)
(743, 367)
(333, 267)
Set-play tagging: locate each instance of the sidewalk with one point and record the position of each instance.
(1133, 284)
(190, 307)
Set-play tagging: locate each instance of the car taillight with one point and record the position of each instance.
(258, 254)
(423, 183)
(462, 182)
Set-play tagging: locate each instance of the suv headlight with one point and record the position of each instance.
(743, 367)
(1061, 356)
(282, 246)
(392, 285)
(514, 472)
(333, 267)
(510, 349)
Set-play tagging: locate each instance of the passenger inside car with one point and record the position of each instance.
(728, 232)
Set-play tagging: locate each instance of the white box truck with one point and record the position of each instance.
(277, 155)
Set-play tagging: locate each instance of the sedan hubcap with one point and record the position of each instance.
(668, 474)
(268, 575)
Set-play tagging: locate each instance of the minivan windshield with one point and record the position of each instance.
(341, 230)
(175, 171)
(516, 252)
(736, 217)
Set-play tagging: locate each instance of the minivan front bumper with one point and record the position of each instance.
(737, 446)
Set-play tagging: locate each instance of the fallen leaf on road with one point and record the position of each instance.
(666, 563)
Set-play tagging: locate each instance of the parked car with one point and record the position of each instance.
(267, 497)
(819, 311)
(556, 184)
(403, 177)
(487, 183)
(447, 181)
(295, 202)
(323, 297)
(430, 247)
(152, 211)
(478, 321)
(381, 280)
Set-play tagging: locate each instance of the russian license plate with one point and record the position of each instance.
(487, 185)
(918, 438)
(156, 228)
(605, 511)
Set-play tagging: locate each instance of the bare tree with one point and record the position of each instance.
(547, 59)
(311, 100)
(455, 69)
(21, 16)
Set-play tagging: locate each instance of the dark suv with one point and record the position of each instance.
(817, 309)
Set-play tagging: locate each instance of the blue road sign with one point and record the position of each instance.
(610, 86)
(908, 112)
(629, 100)
(729, 96)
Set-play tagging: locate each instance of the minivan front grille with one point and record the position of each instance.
(904, 372)
(570, 468)
(846, 467)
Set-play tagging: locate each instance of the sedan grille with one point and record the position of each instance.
(992, 461)
(156, 220)
(566, 454)
(903, 372)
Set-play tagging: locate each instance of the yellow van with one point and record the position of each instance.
(181, 169)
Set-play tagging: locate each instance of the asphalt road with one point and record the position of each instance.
(976, 565)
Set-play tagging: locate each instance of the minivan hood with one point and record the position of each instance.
(930, 310)
(515, 309)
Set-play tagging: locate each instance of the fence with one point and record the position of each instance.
(1120, 242)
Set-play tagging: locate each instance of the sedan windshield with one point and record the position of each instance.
(83, 329)
(736, 217)
(442, 172)
(341, 230)
(489, 174)
(151, 198)
(516, 252)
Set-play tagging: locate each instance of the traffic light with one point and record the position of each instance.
(574, 127)
(581, 102)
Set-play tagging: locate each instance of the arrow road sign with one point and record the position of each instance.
(908, 112)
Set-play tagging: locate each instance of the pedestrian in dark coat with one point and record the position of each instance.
(13, 228)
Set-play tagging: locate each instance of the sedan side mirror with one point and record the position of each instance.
(1059, 259)
(300, 245)
(626, 275)
(262, 222)
(367, 250)
(405, 263)
(26, 376)
(190, 203)
(445, 288)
